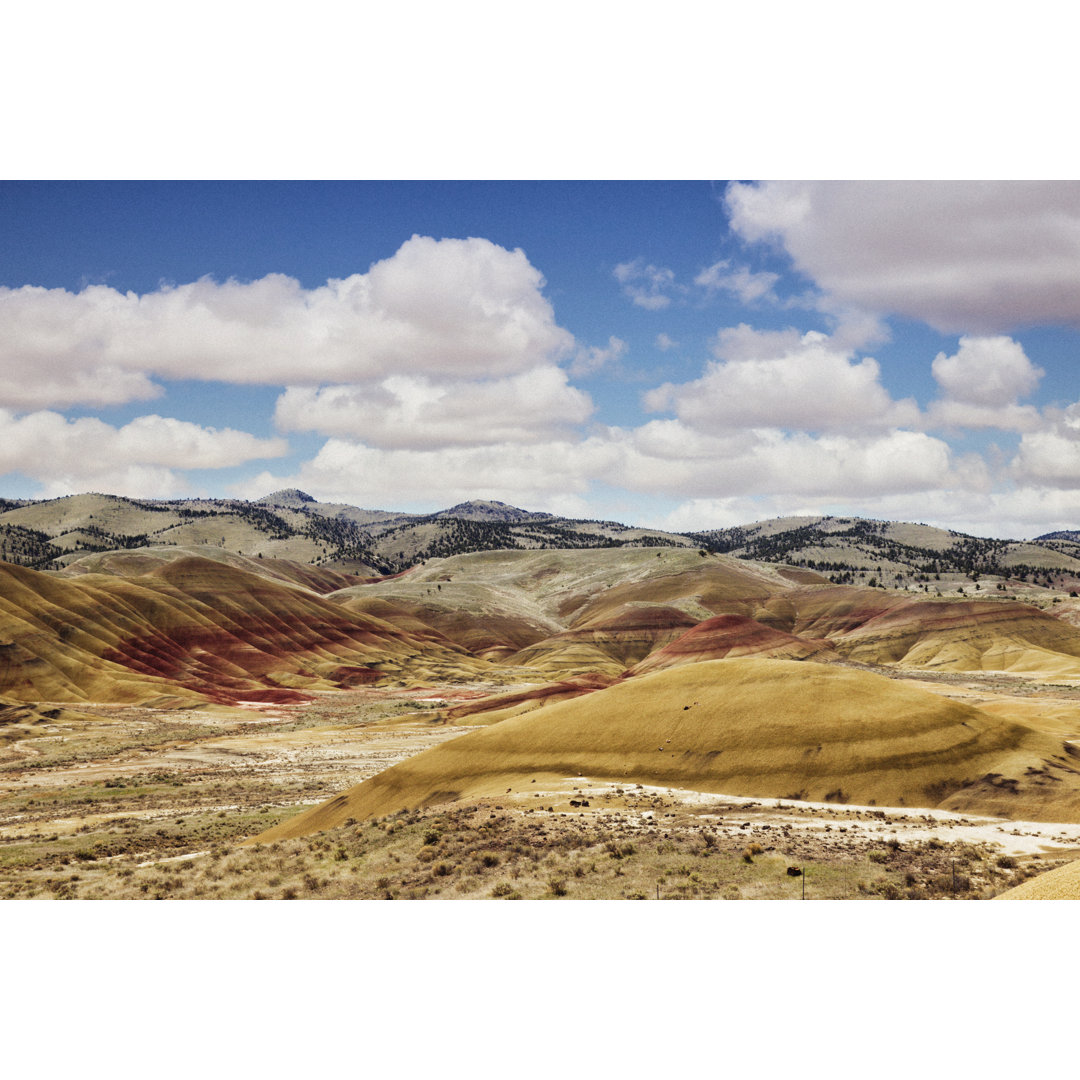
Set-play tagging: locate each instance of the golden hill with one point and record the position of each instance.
(134, 562)
(490, 621)
(748, 727)
(1062, 883)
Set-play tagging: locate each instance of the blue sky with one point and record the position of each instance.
(679, 354)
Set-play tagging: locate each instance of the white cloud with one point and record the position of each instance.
(979, 257)
(1051, 457)
(466, 308)
(32, 385)
(959, 415)
(748, 285)
(788, 381)
(662, 458)
(592, 359)
(767, 460)
(70, 456)
(981, 385)
(551, 476)
(648, 286)
(987, 371)
(665, 343)
(408, 411)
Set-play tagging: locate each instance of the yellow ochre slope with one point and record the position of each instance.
(748, 727)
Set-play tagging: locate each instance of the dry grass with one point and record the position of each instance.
(1062, 883)
(477, 852)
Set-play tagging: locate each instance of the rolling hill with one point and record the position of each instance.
(145, 623)
(191, 630)
(292, 525)
(751, 727)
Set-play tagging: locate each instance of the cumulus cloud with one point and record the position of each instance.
(411, 411)
(748, 285)
(665, 343)
(140, 458)
(466, 308)
(1051, 456)
(26, 386)
(989, 371)
(553, 476)
(781, 463)
(590, 360)
(964, 257)
(981, 385)
(648, 286)
(784, 380)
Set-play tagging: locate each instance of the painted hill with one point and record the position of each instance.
(732, 636)
(750, 727)
(565, 613)
(231, 625)
(193, 629)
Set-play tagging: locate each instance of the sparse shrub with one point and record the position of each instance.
(1006, 862)
(557, 886)
(432, 837)
(878, 856)
(504, 888)
(488, 859)
(754, 849)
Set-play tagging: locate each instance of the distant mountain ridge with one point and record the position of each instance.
(293, 525)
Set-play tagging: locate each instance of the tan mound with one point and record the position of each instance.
(18, 720)
(499, 707)
(967, 636)
(576, 586)
(749, 727)
(134, 562)
(732, 636)
(1060, 884)
(625, 636)
(566, 656)
(711, 585)
(486, 622)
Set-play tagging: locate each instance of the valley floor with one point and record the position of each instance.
(125, 802)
